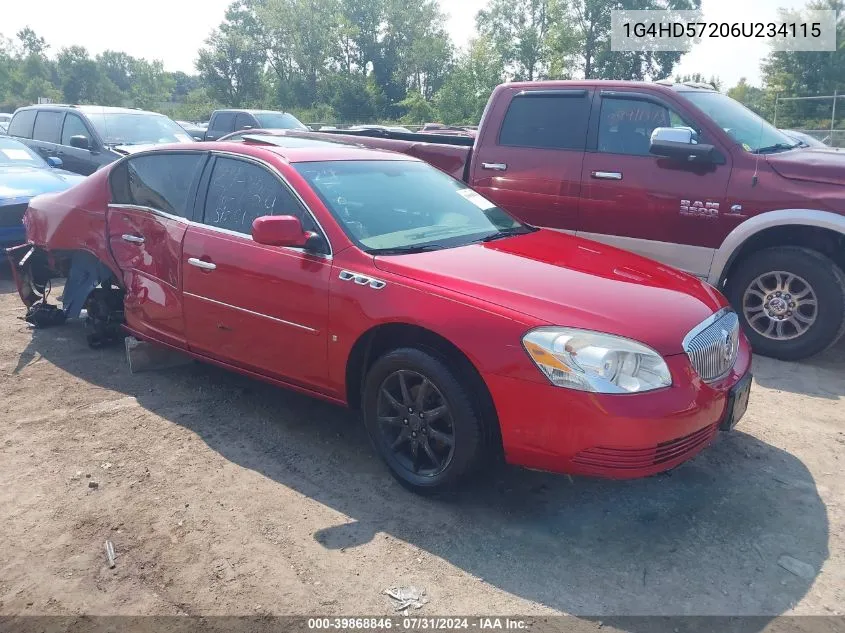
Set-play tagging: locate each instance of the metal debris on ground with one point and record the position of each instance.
(110, 554)
(407, 597)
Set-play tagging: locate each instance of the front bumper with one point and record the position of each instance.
(615, 436)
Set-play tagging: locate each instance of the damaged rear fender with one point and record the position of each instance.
(34, 269)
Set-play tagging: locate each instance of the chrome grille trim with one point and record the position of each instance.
(712, 345)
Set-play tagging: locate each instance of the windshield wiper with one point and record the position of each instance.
(777, 147)
(407, 250)
(518, 230)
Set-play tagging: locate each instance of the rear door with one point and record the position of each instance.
(221, 124)
(47, 132)
(147, 220)
(263, 308)
(531, 166)
(80, 161)
(657, 207)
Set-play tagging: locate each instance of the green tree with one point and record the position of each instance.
(521, 32)
(588, 30)
(467, 90)
(231, 67)
(699, 78)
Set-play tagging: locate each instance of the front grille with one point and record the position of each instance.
(638, 458)
(12, 215)
(712, 346)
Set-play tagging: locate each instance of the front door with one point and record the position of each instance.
(76, 159)
(262, 308)
(653, 206)
(147, 220)
(533, 168)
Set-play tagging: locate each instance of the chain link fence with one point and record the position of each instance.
(817, 116)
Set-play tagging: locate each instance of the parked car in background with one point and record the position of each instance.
(676, 172)
(398, 129)
(373, 280)
(24, 175)
(87, 137)
(805, 139)
(3, 128)
(4, 122)
(196, 130)
(225, 122)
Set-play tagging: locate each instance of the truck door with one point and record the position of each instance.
(221, 124)
(147, 220)
(657, 207)
(531, 164)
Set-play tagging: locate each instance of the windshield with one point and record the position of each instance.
(751, 131)
(15, 154)
(395, 207)
(143, 128)
(279, 121)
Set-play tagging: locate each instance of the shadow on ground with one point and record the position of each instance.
(704, 539)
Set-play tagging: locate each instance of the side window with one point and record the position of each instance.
(48, 126)
(546, 121)
(625, 125)
(244, 121)
(224, 122)
(119, 181)
(21, 124)
(73, 127)
(240, 192)
(159, 181)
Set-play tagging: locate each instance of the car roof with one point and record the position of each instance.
(610, 84)
(88, 109)
(295, 154)
(251, 111)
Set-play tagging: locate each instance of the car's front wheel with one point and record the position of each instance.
(791, 301)
(421, 420)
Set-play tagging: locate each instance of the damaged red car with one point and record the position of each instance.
(375, 281)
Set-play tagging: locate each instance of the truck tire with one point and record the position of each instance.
(790, 301)
(421, 421)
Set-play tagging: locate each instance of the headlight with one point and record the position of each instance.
(592, 361)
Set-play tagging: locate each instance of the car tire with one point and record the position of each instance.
(446, 420)
(790, 301)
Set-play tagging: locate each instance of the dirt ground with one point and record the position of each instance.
(227, 496)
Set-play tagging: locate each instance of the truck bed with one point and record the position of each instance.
(448, 152)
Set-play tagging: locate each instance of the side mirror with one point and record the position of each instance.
(80, 142)
(679, 143)
(279, 230)
(54, 161)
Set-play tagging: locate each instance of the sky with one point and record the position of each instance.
(173, 30)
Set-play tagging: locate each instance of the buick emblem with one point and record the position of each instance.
(728, 345)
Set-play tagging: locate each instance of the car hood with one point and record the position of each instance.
(25, 182)
(812, 164)
(564, 280)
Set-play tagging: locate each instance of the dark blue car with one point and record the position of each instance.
(24, 175)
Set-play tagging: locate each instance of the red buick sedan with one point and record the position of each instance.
(375, 281)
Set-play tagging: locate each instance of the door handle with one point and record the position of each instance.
(607, 175)
(132, 239)
(193, 261)
(495, 166)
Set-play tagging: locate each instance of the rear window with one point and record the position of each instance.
(22, 123)
(48, 126)
(547, 121)
(159, 181)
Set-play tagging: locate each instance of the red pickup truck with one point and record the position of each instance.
(676, 172)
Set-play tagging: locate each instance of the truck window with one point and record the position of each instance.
(546, 121)
(223, 122)
(625, 125)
